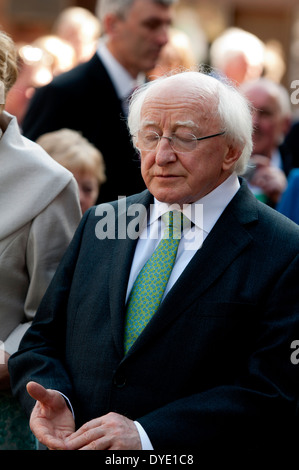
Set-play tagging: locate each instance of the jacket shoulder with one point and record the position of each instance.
(87, 72)
(279, 223)
(276, 235)
(251, 212)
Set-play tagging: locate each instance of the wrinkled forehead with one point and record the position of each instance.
(180, 97)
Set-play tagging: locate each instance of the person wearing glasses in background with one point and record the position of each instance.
(211, 367)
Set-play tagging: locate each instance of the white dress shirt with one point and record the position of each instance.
(123, 82)
(203, 214)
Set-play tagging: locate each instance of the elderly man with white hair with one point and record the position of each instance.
(174, 335)
(271, 160)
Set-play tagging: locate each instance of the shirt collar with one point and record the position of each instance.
(213, 205)
(123, 82)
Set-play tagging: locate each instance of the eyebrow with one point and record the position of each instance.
(188, 123)
(149, 123)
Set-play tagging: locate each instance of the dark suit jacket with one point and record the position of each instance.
(291, 145)
(84, 99)
(213, 366)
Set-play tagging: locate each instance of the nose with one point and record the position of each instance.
(255, 118)
(162, 35)
(164, 152)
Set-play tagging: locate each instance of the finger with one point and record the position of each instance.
(93, 439)
(89, 426)
(99, 444)
(88, 433)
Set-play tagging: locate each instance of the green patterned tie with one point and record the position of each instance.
(152, 280)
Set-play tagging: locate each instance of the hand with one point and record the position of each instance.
(51, 420)
(271, 180)
(110, 432)
(4, 374)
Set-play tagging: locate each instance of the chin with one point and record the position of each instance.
(168, 198)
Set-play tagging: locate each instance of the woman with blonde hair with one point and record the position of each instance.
(39, 211)
(78, 155)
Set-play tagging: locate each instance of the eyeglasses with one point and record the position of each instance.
(179, 142)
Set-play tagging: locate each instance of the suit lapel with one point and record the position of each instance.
(121, 265)
(208, 263)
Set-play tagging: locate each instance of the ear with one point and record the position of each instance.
(110, 23)
(231, 157)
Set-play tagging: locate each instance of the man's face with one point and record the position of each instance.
(175, 177)
(267, 121)
(137, 39)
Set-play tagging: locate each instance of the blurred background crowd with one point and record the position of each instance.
(53, 27)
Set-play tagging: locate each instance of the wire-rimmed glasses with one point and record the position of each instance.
(179, 142)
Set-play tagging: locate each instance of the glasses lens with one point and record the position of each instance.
(147, 140)
(183, 142)
(180, 142)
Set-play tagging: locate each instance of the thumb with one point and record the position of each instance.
(44, 396)
(38, 392)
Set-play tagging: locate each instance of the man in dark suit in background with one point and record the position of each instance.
(210, 368)
(92, 97)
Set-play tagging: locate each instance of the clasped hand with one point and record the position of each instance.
(53, 425)
(271, 180)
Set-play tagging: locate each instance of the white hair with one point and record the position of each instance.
(276, 90)
(233, 42)
(233, 109)
(121, 7)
